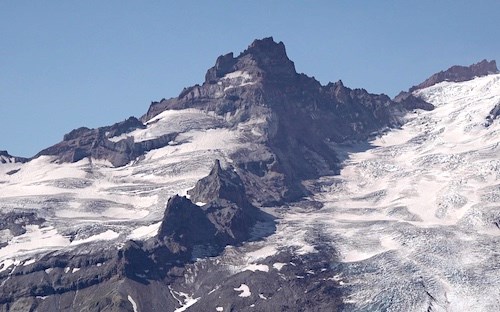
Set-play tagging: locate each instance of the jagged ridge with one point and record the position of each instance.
(459, 73)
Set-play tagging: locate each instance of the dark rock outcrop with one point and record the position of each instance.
(220, 184)
(185, 225)
(84, 142)
(459, 73)
(16, 222)
(223, 197)
(5, 158)
(222, 215)
(494, 114)
(411, 102)
(189, 231)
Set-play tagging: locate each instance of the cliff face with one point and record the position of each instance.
(302, 118)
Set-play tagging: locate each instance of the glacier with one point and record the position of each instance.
(411, 217)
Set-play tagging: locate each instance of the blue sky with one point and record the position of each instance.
(66, 64)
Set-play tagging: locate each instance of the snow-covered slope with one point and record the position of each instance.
(82, 201)
(411, 222)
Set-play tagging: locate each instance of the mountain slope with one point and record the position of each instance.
(263, 190)
(416, 217)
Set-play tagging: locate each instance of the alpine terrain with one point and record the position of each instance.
(263, 190)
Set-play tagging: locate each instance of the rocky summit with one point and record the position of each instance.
(261, 189)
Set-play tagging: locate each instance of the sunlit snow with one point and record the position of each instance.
(244, 291)
(92, 192)
(412, 217)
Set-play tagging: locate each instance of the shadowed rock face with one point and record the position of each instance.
(223, 214)
(189, 231)
(220, 184)
(459, 73)
(185, 225)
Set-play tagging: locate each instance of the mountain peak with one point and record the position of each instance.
(220, 184)
(263, 58)
(271, 57)
(266, 46)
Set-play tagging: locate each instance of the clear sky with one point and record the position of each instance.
(66, 64)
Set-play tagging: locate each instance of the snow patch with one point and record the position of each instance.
(145, 232)
(183, 299)
(108, 235)
(257, 267)
(261, 253)
(187, 304)
(134, 305)
(35, 238)
(245, 291)
(238, 79)
(7, 263)
(238, 74)
(28, 262)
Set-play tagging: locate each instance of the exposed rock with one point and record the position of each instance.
(6, 158)
(411, 102)
(16, 221)
(223, 214)
(460, 73)
(220, 184)
(302, 117)
(126, 126)
(185, 225)
(223, 65)
(494, 114)
(84, 142)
